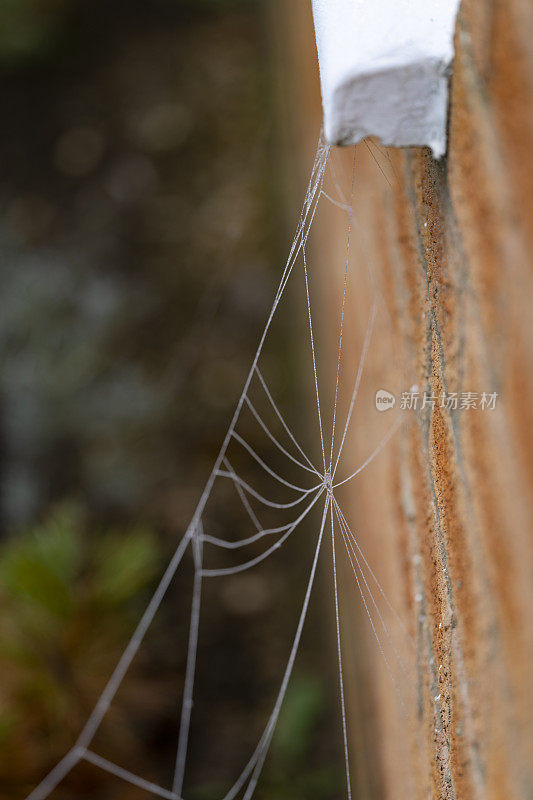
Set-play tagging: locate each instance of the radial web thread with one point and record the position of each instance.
(317, 489)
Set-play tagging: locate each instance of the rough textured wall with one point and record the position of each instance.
(447, 510)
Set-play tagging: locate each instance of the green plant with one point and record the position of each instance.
(294, 772)
(29, 27)
(69, 597)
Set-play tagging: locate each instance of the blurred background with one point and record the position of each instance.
(144, 191)
(154, 155)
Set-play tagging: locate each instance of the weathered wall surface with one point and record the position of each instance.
(447, 510)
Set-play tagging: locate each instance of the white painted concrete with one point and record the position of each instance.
(384, 69)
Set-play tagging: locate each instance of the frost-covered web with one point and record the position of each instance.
(317, 488)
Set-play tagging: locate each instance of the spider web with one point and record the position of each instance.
(319, 488)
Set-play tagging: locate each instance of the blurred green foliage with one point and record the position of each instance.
(294, 771)
(295, 768)
(67, 608)
(29, 27)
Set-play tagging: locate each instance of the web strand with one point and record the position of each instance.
(114, 682)
(265, 466)
(58, 773)
(281, 419)
(229, 545)
(365, 604)
(308, 498)
(392, 430)
(360, 368)
(349, 546)
(313, 355)
(186, 706)
(129, 777)
(213, 573)
(348, 237)
(261, 759)
(244, 500)
(275, 441)
(264, 500)
(371, 620)
(369, 568)
(339, 656)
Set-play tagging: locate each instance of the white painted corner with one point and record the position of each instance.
(384, 69)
